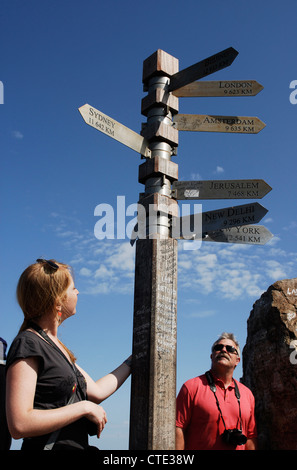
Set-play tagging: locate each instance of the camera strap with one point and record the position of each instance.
(213, 388)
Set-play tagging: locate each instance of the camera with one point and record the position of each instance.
(234, 437)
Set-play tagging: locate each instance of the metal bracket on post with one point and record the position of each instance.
(159, 106)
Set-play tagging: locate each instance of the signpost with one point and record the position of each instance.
(207, 123)
(153, 390)
(220, 189)
(220, 88)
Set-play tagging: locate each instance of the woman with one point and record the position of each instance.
(52, 403)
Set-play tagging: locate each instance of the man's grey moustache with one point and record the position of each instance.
(223, 355)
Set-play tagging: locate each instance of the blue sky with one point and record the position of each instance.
(57, 56)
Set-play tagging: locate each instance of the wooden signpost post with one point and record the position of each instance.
(153, 385)
(152, 415)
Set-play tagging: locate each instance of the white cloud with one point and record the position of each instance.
(234, 271)
(77, 260)
(184, 263)
(229, 271)
(115, 268)
(99, 288)
(202, 314)
(206, 261)
(122, 258)
(17, 135)
(103, 272)
(66, 234)
(219, 169)
(85, 272)
(291, 226)
(274, 269)
(195, 177)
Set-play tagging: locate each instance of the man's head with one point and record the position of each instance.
(225, 352)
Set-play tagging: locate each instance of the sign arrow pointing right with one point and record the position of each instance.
(202, 69)
(248, 234)
(211, 221)
(214, 123)
(233, 88)
(220, 189)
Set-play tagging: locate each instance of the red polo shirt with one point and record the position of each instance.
(199, 417)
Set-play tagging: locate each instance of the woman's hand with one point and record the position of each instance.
(97, 415)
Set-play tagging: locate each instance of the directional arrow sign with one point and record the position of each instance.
(233, 216)
(245, 214)
(202, 69)
(114, 129)
(248, 234)
(220, 88)
(220, 189)
(206, 123)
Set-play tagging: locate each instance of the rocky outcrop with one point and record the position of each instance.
(270, 365)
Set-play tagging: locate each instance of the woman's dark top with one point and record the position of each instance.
(55, 382)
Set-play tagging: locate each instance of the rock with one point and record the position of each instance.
(270, 365)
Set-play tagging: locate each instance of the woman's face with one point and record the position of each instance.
(70, 301)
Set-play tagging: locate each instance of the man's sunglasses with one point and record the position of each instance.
(230, 349)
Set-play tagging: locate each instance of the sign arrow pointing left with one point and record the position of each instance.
(103, 123)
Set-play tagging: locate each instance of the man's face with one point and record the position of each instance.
(223, 357)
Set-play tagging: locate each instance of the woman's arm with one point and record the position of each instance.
(107, 385)
(25, 421)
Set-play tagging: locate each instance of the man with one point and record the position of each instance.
(208, 408)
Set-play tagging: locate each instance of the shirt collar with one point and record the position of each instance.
(221, 384)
